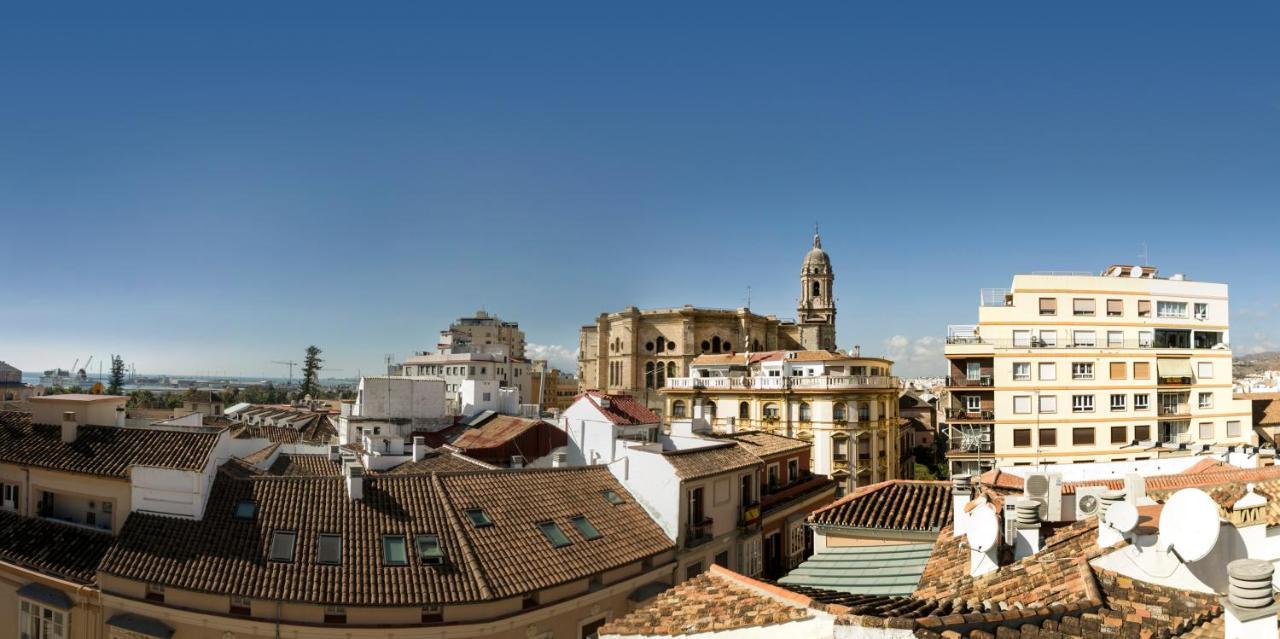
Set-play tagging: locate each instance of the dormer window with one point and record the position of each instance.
(282, 543)
(479, 518)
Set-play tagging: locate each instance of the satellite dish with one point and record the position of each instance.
(1189, 524)
(983, 529)
(1121, 517)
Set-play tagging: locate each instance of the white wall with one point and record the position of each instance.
(401, 397)
(653, 483)
(171, 492)
(478, 395)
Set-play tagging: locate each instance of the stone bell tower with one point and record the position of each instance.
(816, 312)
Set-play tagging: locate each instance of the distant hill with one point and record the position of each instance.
(1244, 365)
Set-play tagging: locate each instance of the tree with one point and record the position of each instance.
(116, 381)
(311, 372)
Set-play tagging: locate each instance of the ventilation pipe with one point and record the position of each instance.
(1106, 534)
(119, 416)
(419, 447)
(1027, 537)
(1249, 608)
(961, 493)
(70, 429)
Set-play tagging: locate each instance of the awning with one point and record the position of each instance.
(141, 625)
(1167, 368)
(45, 595)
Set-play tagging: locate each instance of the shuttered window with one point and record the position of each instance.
(1119, 370)
(1142, 370)
(1082, 436)
(1083, 306)
(1115, 308)
(1048, 306)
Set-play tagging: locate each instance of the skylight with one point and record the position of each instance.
(429, 550)
(554, 534)
(613, 497)
(282, 542)
(393, 551)
(585, 528)
(245, 510)
(329, 549)
(478, 517)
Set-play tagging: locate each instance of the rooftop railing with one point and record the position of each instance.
(819, 382)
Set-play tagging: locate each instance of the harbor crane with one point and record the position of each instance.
(290, 364)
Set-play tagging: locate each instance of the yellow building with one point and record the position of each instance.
(846, 405)
(1075, 367)
(634, 351)
(551, 388)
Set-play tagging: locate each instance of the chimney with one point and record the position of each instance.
(1249, 608)
(419, 447)
(731, 425)
(1027, 539)
(961, 493)
(335, 453)
(1249, 517)
(120, 416)
(70, 429)
(517, 461)
(559, 459)
(355, 482)
(1106, 534)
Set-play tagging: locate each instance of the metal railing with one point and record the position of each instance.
(699, 533)
(1036, 343)
(984, 380)
(820, 382)
(962, 413)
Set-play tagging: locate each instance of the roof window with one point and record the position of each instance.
(245, 510)
(329, 549)
(585, 528)
(479, 518)
(282, 542)
(554, 534)
(429, 550)
(613, 497)
(393, 551)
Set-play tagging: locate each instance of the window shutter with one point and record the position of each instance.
(1118, 371)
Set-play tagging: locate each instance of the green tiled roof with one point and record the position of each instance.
(865, 570)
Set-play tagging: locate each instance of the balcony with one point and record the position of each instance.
(819, 383)
(961, 414)
(1065, 342)
(1175, 410)
(795, 492)
(967, 382)
(699, 533)
(749, 520)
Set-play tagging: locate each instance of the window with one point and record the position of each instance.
(1082, 307)
(1205, 400)
(38, 622)
(329, 549)
(1048, 306)
(1119, 370)
(1022, 339)
(1176, 310)
(1144, 308)
(1048, 338)
(1142, 432)
(693, 570)
(1204, 370)
(1082, 436)
(793, 469)
(394, 552)
(282, 545)
(479, 518)
(1082, 403)
(1048, 371)
(613, 497)
(1022, 404)
(1115, 308)
(432, 614)
(429, 550)
(1048, 437)
(973, 371)
(864, 412)
(1119, 434)
(1115, 339)
(770, 411)
(245, 510)
(804, 412)
(1048, 403)
(155, 592)
(553, 534)
(1118, 401)
(1201, 311)
(335, 614)
(771, 475)
(744, 410)
(1021, 437)
(585, 528)
(1081, 370)
(1145, 339)
(1084, 338)
(241, 605)
(1022, 371)
(1206, 430)
(839, 412)
(1142, 370)
(1141, 401)
(677, 408)
(1233, 428)
(972, 403)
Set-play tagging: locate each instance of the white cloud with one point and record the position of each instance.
(912, 357)
(559, 356)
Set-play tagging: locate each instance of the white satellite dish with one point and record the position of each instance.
(983, 529)
(1121, 517)
(1189, 524)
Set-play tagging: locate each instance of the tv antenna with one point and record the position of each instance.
(1146, 259)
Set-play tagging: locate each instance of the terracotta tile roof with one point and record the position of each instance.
(317, 430)
(52, 548)
(261, 455)
(765, 445)
(1266, 410)
(101, 450)
(497, 431)
(710, 602)
(437, 462)
(891, 505)
(225, 555)
(305, 466)
(697, 463)
(623, 410)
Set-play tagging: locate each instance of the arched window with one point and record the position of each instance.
(804, 412)
(744, 410)
(838, 412)
(817, 290)
(671, 369)
(864, 411)
(662, 344)
(648, 375)
(755, 345)
(711, 410)
(715, 344)
(677, 408)
(661, 375)
(771, 411)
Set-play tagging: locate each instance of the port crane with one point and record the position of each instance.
(290, 364)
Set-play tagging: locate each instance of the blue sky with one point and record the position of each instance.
(207, 192)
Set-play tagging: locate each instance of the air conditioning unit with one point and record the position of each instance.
(1046, 488)
(1089, 501)
(1009, 521)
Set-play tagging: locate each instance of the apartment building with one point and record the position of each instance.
(846, 405)
(551, 389)
(481, 349)
(1075, 368)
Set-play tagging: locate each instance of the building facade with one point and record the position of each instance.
(634, 351)
(846, 405)
(483, 333)
(1074, 368)
(550, 388)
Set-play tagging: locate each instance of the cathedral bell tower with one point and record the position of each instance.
(816, 312)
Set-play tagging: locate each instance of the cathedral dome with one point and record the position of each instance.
(816, 258)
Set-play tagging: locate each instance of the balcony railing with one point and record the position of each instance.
(1178, 410)
(820, 382)
(699, 533)
(965, 381)
(961, 413)
(1067, 342)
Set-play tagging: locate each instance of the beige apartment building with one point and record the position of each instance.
(846, 405)
(635, 351)
(1076, 368)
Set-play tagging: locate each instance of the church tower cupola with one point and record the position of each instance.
(817, 306)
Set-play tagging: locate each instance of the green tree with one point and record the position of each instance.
(117, 375)
(311, 372)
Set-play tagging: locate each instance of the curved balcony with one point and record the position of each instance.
(816, 383)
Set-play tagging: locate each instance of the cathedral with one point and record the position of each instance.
(634, 351)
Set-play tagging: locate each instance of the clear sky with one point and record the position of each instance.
(207, 192)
